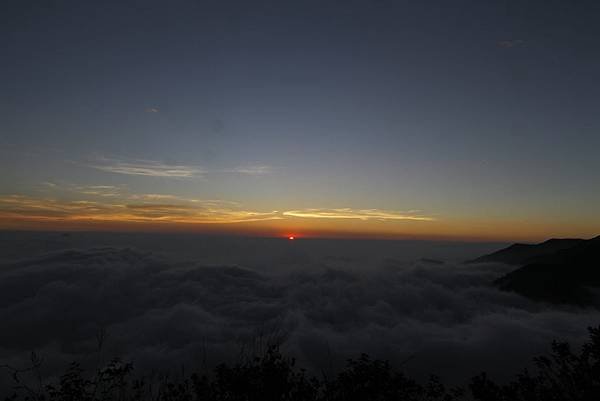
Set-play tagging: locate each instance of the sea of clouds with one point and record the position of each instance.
(166, 302)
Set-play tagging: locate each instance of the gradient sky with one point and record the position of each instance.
(393, 119)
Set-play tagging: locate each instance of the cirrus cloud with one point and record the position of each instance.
(359, 214)
(149, 168)
(250, 170)
(152, 168)
(25, 208)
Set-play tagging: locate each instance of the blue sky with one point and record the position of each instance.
(473, 115)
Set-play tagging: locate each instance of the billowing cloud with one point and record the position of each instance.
(359, 214)
(165, 311)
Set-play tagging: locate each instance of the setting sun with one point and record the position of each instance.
(291, 237)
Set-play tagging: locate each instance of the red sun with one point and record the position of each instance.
(291, 237)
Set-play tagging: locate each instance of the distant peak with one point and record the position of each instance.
(553, 240)
(518, 245)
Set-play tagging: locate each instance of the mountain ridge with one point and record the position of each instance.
(559, 270)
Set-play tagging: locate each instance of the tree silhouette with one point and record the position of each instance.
(562, 375)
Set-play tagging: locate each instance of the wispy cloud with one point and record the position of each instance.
(158, 169)
(72, 190)
(204, 213)
(117, 204)
(153, 197)
(19, 207)
(122, 192)
(100, 190)
(148, 168)
(152, 110)
(250, 170)
(359, 214)
(175, 198)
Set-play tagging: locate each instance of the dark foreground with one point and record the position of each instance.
(561, 375)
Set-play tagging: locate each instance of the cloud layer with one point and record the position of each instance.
(162, 311)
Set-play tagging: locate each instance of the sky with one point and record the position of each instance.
(461, 120)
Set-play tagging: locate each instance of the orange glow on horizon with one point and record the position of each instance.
(141, 213)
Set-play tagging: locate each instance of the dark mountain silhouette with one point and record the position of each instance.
(520, 254)
(558, 271)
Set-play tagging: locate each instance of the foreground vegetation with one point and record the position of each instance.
(563, 375)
